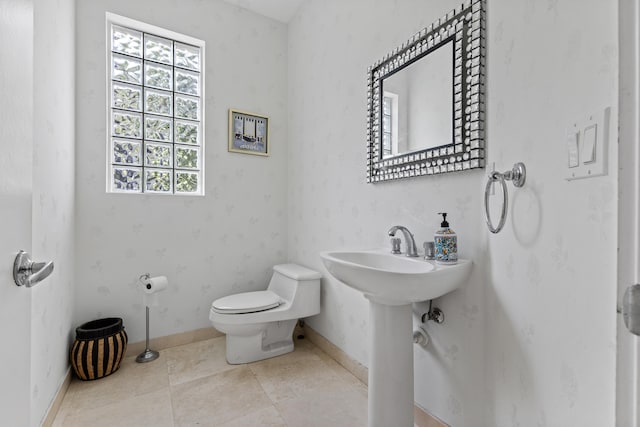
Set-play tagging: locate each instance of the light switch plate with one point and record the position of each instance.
(593, 161)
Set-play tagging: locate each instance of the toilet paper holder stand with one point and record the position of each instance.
(147, 355)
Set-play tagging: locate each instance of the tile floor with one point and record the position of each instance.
(193, 385)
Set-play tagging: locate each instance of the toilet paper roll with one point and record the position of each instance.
(155, 284)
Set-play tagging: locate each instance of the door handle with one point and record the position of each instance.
(631, 309)
(27, 273)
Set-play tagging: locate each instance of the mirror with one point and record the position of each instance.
(417, 104)
(425, 100)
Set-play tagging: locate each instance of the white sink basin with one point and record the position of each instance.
(391, 283)
(394, 279)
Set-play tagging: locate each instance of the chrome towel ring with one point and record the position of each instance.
(517, 175)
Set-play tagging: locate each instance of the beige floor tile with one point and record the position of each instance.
(197, 360)
(132, 379)
(338, 369)
(321, 408)
(151, 409)
(290, 376)
(61, 416)
(193, 385)
(218, 398)
(268, 417)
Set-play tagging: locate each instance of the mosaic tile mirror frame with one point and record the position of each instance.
(464, 28)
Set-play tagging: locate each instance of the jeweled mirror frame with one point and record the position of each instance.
(464, 25)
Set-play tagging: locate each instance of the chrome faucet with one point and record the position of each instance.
(412, 251)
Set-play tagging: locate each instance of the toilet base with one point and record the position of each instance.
(266, 341)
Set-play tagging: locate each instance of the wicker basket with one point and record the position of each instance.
(99, 348)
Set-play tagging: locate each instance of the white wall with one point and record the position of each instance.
(530, 340)
(208, 247)
(552, 293)
(53, 198)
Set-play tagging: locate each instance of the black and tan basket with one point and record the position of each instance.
(99, 348)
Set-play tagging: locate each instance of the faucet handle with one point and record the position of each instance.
(395, 245)
(429, 250)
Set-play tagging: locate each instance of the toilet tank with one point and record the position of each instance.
(298, 285)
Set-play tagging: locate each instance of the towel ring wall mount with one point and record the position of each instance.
(517, 175)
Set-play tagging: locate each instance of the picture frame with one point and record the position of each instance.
(248, 133)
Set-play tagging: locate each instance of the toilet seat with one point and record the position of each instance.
(246, 302)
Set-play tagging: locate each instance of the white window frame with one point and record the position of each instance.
(394, 123)
(118, 20)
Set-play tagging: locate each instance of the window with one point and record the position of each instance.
(156, 92)
(387, 128)
(389, 124)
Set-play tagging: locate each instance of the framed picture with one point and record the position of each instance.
(248, 133)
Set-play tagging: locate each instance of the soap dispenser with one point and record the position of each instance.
(446, 243)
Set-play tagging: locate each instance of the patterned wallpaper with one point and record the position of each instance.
(522, 344)
(53, 200)
(551, 362)
(208, 247)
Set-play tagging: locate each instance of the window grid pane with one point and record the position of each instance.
(386, 126)
(156, 135)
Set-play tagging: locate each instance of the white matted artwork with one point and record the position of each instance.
(248, 133)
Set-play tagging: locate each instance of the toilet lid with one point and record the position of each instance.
(246, 302)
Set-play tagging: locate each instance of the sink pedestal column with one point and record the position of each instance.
(390, 365)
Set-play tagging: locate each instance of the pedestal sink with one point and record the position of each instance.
(391, 283)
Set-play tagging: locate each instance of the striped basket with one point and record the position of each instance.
(99, 348)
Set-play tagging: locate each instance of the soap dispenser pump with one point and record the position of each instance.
(446, 243)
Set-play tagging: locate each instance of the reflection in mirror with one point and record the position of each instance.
(417, 104)
(426, 100)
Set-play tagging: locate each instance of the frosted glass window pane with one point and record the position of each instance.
(158, 155)
(187, 107)
(386, 141)
(157, 102)
(187, 82)
(158, 129)
(187, 56)
(158, 49)
(187, 157)
(386, 122)
(187, 182)
(127, 69)
(126, 97)
(126, 41)
(127, 124)
(127, 152)
(187, 132)
(159, 76)
(156, 94)
(158, 180)
(386, 106)
(126, 179)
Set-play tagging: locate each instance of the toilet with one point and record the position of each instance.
(259, 325)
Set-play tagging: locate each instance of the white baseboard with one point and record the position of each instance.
(161, 343)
